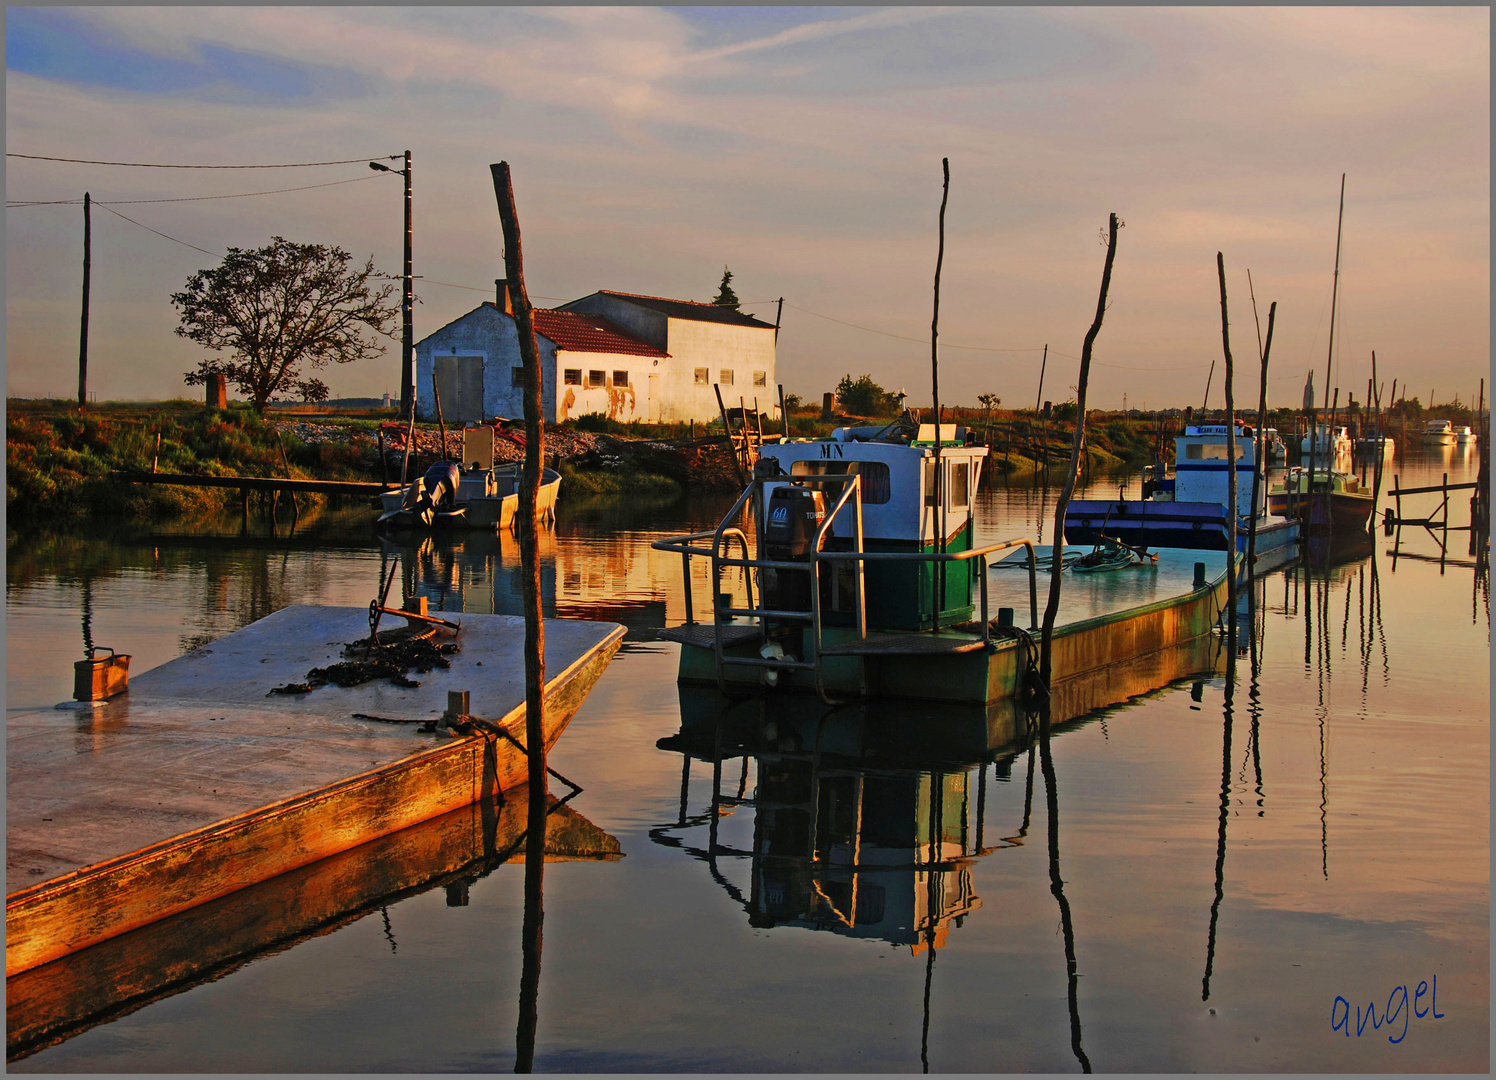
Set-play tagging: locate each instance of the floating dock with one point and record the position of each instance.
(196, 783)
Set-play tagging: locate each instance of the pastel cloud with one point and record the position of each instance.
(802, 147)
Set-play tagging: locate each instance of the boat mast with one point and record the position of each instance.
(1329, 357)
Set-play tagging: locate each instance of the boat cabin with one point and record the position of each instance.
(1201, 470)
(903, 509)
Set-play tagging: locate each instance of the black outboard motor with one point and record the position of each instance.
(440, 483)
(794, 515)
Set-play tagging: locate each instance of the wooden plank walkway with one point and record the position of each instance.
(195, 783)
(259, 483)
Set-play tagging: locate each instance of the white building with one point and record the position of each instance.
(629, 357)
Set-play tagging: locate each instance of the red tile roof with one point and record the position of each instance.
(590, 333)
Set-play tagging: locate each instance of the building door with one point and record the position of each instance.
(459, 381)
(654, 399)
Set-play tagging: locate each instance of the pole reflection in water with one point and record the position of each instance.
(1225, 809)
(1057, 885)
(529, 980)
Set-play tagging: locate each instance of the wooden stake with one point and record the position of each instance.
(1057, 564)
(529, 526)
(938, 515)
(436, 397)
(1258, 474)
(1231, 507)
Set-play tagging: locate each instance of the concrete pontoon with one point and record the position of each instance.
(194, 783)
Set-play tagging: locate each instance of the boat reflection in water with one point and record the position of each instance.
(867, 817)
(57, 1001)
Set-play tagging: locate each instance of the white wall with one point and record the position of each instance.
(623, 403)
(714, 346)
(488, 333)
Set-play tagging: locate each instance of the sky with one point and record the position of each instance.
(800, 147)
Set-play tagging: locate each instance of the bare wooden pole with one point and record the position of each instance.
(1039, 397)
(529, 527)
(939, 513)
(87, 273)
(1231, 508)
(436, 398)
(737, 466)
(784, 415)
(1057, 565)
(1258, 475)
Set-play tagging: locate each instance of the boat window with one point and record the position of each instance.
(1211, 451)
(876, 488)
(960, 470)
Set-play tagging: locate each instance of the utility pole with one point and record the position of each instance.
(777, 315)
(83, 333)
(407, 302)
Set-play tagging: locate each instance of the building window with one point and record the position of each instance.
(702, 376)
(597, 378)
(517, 376)
(620, 378)
(760, 378)
(726, 379)
(573, 376)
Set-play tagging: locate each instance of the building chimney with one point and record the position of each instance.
(501, 296)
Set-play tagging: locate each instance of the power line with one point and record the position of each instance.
(194, 198)
(152, 165)
(147, 228)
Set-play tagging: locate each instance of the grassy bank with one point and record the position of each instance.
(59, 460)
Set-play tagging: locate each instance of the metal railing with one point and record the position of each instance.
(692, 544)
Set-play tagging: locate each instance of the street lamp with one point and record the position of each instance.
(407, 345)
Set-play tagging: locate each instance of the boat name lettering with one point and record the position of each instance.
(1398, 1007)
(832, 450)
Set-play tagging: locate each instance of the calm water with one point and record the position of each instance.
(1219, 875)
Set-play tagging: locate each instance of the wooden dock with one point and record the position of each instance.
(260, 483)
(195, 784)
(56, 1001)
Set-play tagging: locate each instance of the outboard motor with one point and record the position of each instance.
(794, 514)
(440, 491)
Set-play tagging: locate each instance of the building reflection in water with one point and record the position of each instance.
(479, 572)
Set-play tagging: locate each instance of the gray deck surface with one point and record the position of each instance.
(196, 740)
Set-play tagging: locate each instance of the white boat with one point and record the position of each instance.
(1462, 434)
(473, 494)
(1275, 450)
(1188, 510)
(1328, 440)
(1371, 445)
(480, 499)
(1438, 433)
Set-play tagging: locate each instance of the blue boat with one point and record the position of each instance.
(1189, 509)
